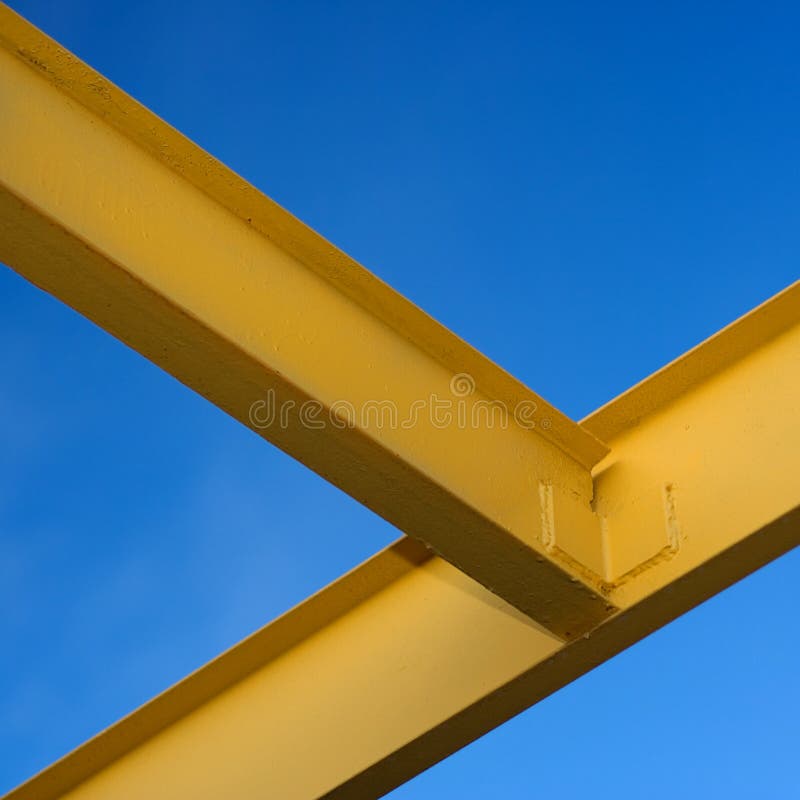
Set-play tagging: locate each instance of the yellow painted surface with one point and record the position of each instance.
(406, 658)
(210, 280)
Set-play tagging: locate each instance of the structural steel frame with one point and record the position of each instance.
(537, 549)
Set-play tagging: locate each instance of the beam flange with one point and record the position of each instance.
(106, 207)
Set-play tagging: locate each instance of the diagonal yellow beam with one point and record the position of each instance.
(108, 208)
(405, 659)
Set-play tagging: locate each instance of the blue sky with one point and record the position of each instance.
(581, 190)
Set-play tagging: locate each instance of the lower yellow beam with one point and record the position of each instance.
(406, 659)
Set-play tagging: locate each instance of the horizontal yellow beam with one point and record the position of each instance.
(108, 208)
(406, 659)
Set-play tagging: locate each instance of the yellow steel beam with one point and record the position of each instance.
(406, 659)
(111, 210)
(118, 215)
